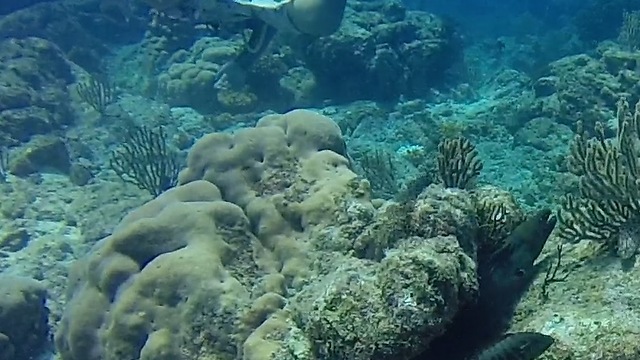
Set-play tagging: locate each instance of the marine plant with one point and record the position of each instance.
(606, 208)
(552, 274)
(629, 36)
(495, 222)
(145, 160)
(99, 94)
(377, 166)
(458, 163)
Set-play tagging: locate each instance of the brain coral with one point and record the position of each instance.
(230, 264)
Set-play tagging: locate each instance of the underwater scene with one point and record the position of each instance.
(319, 179)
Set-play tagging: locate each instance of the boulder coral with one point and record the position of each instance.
(190, 77)
(270, 248)
(71, 26)
(383, 50)
(34, 74)
(586, 88)
(24, 330)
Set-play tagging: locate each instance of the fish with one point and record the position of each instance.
(517, 346)
(504, 275)
(509, 271)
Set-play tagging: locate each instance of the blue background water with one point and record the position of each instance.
(489, 81)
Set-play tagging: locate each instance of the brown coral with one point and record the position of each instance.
(255, 255)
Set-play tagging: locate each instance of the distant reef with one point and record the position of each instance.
(7, 7)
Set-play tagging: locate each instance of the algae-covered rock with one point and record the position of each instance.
(24, 330)
(382, 51)
(388, 309)
(587, 87)
(34, 74)
(41, 154)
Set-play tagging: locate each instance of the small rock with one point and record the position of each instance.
(80, 174)
(41, 154)
(14, 240)
(545, 86)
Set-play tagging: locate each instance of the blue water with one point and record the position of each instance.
(128, 231)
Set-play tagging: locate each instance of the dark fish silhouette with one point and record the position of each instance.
(517, 346)
(509, 271)
(504, 275)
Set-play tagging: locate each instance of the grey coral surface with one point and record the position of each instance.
(24, 328)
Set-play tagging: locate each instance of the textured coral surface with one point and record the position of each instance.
(269, 249)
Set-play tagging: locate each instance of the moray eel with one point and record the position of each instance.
(517, 346)
(504, 276)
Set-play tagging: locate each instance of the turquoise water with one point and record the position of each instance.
(319, 180)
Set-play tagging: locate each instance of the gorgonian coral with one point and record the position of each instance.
(609, 192)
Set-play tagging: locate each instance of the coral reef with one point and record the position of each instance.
(190, 74)
(381, 51)
(271, 245)
(24, 331)
(609, 196)
(587, 88)
(269, 248)
(189, 79)
(41, 154)
(71, 25)
(380, 43)
(34, 74)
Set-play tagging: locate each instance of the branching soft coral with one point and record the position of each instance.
(609, 171)
(458, 163)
